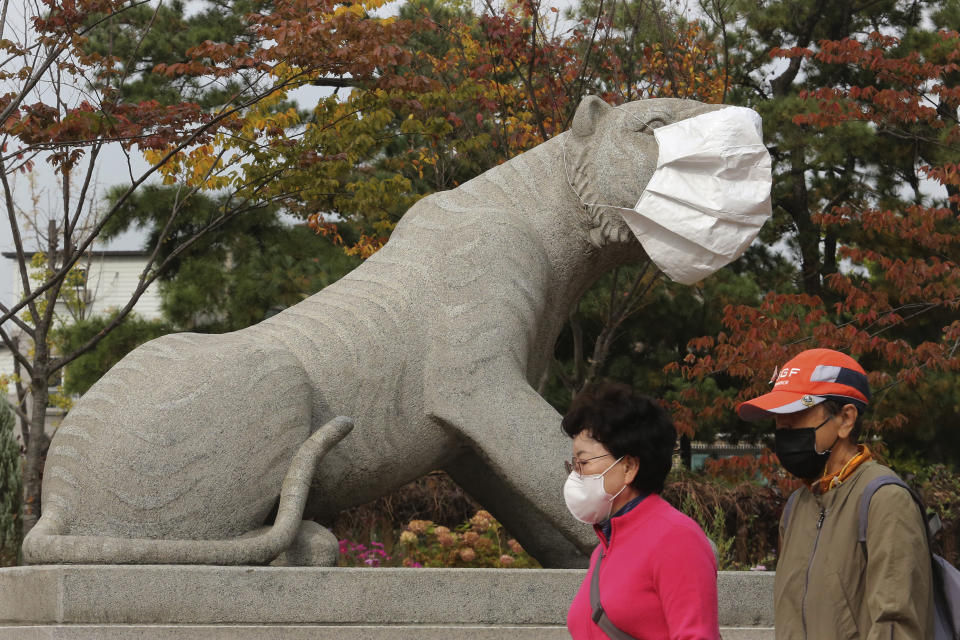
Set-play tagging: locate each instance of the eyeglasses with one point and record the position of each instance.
(576, 464)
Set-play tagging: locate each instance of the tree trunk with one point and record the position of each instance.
(808, 234)
(36, 454)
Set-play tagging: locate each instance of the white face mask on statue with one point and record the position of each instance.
(709, 195)
(586, 498)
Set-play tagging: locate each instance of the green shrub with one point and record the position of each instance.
(739, 510)
(741, 519)
(715, 528)
(940, 488)
(10, 488)
(751, 493)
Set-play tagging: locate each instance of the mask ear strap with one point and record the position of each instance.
(828, 449)
(566, 175)
(613, 465)
(643, 123)
(614, 496)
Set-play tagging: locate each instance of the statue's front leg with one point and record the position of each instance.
(514, 467)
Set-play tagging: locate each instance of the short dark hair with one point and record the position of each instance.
(834, 404)
(626, 424)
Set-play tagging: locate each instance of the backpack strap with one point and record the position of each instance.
(946, 579)
(599, 615)
(788, 508)
(871, 489)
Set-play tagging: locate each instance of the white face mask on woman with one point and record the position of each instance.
(586, 498)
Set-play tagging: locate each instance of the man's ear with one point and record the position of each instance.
(848, 415)
(588, 114)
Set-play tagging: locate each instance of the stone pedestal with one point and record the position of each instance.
(176, 602)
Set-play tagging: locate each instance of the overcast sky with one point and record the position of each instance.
(112, 169)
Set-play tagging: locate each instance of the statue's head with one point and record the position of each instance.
(610, 154)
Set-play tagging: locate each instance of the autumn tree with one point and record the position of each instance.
(479, 89)
(841, 165)
(892, 300)
(643, 49)
(72, 91)
(492, 84)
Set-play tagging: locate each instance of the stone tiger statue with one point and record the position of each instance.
(185, 449)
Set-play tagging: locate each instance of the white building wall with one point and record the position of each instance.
(112, 277)
(112, 280)
(6, 361)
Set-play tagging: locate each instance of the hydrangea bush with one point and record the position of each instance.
(479, 542)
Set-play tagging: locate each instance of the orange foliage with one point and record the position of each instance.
(903, 258)
(500, 86)
(764, 468)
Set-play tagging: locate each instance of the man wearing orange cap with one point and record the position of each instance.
(829, 585)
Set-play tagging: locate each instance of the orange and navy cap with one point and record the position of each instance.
(807, 380)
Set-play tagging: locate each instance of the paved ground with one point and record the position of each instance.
(313, 632)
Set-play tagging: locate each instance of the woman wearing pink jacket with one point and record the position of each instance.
(654, 574)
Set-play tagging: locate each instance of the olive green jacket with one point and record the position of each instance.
(826, 588)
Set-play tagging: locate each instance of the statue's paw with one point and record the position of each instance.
(314, 546)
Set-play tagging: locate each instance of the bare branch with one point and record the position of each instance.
(19, 412)
(14, 346)
(567, 382)
(23, 162)
(608, 335)
(87, 179)
(586, 57)
(613, 294)
(94, 233)
(173, 215)
(637, 306)
(26, 328)
(31, 83)
(3, 17)
(18, 247)
(54, 53)
(340, 83)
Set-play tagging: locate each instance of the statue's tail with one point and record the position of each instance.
(46, 543)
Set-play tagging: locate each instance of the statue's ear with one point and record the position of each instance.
(589, 112)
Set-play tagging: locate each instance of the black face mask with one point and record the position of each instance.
(797, 451)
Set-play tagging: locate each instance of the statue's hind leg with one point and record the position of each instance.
(314, 546)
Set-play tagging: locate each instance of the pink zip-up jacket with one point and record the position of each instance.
(658, 580)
